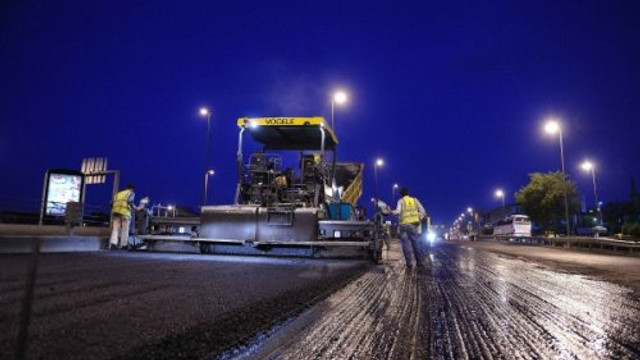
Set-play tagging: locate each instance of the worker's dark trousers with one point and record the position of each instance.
(409, 239)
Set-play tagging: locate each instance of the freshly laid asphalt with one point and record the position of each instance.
(106, 305)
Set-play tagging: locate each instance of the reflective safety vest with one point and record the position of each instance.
(121, 203)
(409, 213)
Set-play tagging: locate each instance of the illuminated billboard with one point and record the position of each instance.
(62, 186)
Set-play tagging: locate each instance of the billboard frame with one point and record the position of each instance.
(45, 189)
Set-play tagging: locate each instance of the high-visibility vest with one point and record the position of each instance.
(121, 203)
(409, 213)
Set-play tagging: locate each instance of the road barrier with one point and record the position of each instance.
(582, 242)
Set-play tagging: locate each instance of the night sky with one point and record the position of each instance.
(452, 94)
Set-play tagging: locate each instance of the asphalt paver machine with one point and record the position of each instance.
(292, 196)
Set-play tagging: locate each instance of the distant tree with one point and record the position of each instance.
(543, 199)
(616, 213)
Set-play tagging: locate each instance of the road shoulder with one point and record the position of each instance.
(620, 269)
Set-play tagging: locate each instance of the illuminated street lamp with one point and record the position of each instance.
(206, 113)
(588, 166)
(379, 162)
(207, 174)
(470, 210)
(393, 191)
(500, 194)
(340, 97)
(552, 127)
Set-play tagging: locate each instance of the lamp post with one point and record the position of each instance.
(500, 194)
(588, 166)
(553, 127)
(339, 97)
(207, 174)
(206, 113)
(393, 191)
(379, 162)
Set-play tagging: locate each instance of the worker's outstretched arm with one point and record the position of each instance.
(398, 209)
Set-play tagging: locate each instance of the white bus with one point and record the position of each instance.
(514, 225)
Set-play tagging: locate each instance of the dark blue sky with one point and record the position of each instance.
(451, 93)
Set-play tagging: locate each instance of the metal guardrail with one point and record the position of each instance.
(583, 242)
(27, 211)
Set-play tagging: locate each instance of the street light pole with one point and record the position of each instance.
(500, 194)
(552, 127)
(564, 179)
(588, 166)
(379, 162)
(206, 185)
(339, 97)
(595, 191)
(333, 114)
(393, 191)
(205, 112)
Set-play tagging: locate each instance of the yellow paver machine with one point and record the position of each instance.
(292, 196)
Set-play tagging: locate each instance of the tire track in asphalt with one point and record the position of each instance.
(465, 305)
(374, 317)
(524, 306)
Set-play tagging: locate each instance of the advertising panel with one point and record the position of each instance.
(62, 186)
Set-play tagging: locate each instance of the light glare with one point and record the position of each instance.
(552, 127)
(204, 111)
(587, 166)
(340, 97)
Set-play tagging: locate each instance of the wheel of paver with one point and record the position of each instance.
(375, 254)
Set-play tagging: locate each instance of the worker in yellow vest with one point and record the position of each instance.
(410, 213)
(121, 208)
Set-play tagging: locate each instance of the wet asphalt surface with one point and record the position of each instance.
(462, 304)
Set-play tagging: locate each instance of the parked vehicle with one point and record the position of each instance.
(513, 226)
